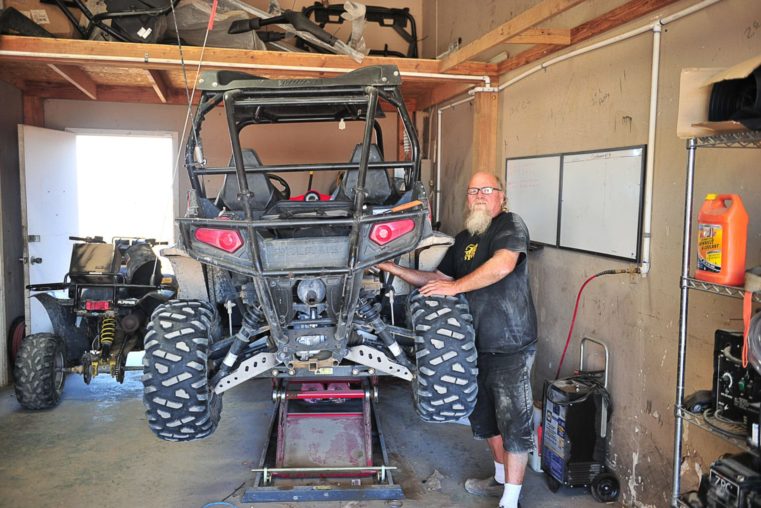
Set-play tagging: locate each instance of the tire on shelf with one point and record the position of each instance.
(445, 387)
(38, 373)
(179, 402)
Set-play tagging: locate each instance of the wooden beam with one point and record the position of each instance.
(276, 64)
(138, 94)
(506, 31)
(77, 77)
(399, 138)
(158, 83)
(561, 36)
(443, 93)
(110, 93)
(485, 132)
(34, 111)
(612, 19)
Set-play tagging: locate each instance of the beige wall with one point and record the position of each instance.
(11, 248)
(599, 101)
(274, 144)
(453, 21)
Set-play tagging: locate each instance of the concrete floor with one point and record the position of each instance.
(95, 449)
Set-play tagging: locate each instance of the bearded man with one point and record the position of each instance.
(488, 264)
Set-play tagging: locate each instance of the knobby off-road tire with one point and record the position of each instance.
(180, 404)
(445, 386)
(39, 371)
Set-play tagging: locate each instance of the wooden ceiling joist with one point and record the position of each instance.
(151, 73)
(158, 82)
(561, 36)
(108, 93)
(508, 30)
(77, 77)
(612, 19)
(167, 57)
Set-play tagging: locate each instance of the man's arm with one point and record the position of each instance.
(496, 268)
(411, 276)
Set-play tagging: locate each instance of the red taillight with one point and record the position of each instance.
(388, 231)
(228, 240)
(97, 305)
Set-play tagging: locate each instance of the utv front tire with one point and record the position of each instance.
(445, 386)
(39, 373)
(180, 404)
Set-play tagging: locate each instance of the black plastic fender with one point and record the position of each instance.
(64, 326)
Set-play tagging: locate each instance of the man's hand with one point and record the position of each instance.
(440, 287)
(386, 266)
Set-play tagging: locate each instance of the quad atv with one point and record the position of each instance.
(282, 286)
(99, 314)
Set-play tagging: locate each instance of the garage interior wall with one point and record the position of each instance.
(11, 248)
(277, 144)
(597, 101)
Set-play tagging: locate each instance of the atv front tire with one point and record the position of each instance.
(445, 386)
(180, 404)
(39, 373)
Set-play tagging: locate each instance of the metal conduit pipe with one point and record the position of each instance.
(647, 204)
(644, 267)
(437, 190)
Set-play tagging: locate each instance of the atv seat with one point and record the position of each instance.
(264, 192)
(377, 184)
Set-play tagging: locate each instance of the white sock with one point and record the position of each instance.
(499, 472)
(510, 496)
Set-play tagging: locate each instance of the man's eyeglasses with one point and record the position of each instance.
(472, 191)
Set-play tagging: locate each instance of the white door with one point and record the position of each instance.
(89, 183)
(48, 164)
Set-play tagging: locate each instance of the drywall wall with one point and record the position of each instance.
(275, 144)
(449, 23)
(598, 101)
(11, 270)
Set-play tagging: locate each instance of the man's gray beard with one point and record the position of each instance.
(477, 221)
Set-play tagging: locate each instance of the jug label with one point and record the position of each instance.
(709, 247)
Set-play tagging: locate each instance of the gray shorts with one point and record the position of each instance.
(505, 405)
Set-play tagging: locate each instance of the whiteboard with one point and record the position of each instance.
(600, 206)
(532, 189)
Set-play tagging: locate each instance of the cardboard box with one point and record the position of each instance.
(695, 87)
(48, 16)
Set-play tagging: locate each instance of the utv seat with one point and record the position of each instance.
(264, 192)
(377, 185)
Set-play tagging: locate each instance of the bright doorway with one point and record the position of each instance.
(90, 183)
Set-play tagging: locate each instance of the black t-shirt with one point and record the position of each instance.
(503, 313)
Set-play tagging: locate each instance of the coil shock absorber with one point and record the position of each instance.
(107, 335)
(369, 313)
(251, 319)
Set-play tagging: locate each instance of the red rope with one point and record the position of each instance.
(213, 14)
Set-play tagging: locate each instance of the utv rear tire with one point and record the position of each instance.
(445, 386)
(180, 404)
(39, 373)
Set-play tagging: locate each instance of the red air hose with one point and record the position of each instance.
(576, 309)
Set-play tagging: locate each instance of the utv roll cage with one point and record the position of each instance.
(262, 248)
